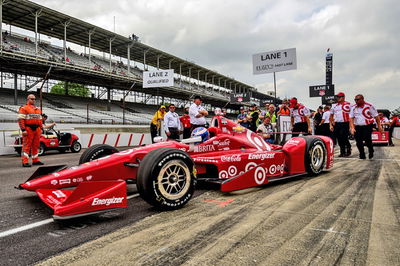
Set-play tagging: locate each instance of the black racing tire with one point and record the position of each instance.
(166, 178)
(76, 146)
(315, 158)
(42, 149)
(97, 151)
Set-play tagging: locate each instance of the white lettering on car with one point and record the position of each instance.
(205, 148)
(107, 202)
(231, 158)
(261, 156)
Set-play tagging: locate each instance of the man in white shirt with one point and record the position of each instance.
(325, 122)
(172, 124)
(300, 120)
(362, 116)
(197, 113)
(339, 123)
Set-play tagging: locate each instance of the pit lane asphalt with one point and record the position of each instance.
(348, 216)
(19, 208)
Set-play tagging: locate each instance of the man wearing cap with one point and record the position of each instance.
(339, 123)
(300, 120)
(362, 116)
(242, 118)
(254, 115)
(317, 120)
(155, 125)
(197, 113)
(172, 124)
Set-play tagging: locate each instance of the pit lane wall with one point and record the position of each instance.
(87, 137)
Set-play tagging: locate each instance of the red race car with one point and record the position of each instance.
(166, 173)
(52, 140)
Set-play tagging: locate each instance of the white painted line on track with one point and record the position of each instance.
(357, 159)
(40, 223)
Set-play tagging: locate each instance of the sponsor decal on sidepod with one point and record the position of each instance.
(113, 200)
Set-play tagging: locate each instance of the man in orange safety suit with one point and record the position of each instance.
(30, 123)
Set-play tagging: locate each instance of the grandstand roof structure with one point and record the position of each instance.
(22, 13)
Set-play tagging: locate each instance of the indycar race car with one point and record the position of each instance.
(166, 173)
(51, 140)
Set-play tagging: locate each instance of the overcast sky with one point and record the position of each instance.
(223, 34)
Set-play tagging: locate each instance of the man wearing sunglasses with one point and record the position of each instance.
(172, 124)
(30, 123)
(339, 123)
(362, 116)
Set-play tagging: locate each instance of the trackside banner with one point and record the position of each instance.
(158, 78)
(274, 61)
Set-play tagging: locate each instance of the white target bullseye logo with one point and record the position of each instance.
(257, 141)
(232, 170)
(272, 169)
(223, 174)
(249, 166)
(367, 113)
(346, 108)
(282, 167)
(301, 111)
(260, 175)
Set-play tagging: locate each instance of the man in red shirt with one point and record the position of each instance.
(185, 120)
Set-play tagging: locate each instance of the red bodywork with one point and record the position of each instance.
(51, 140)
(235, 157)
(380, 138)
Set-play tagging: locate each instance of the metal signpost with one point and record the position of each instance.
(274, 61)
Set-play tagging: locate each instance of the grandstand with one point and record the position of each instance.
(22, 57)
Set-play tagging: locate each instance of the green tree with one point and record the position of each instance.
(74, 89)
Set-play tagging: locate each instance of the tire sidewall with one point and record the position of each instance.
(309, 165)
(42, 149)
(73, 147)
(148, 173)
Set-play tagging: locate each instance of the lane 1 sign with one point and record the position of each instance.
(274, 61)
(240, 97)
(322, 90)
(158, 78)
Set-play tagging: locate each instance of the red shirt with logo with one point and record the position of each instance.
(185, 120)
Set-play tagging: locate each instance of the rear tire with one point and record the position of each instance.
(166, 178)
(97, 151)
(42, 149)
(315, 158)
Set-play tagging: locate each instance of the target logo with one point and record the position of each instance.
(223, 175)
(301, 110)
(367, 113)
(232, 170)
(257, 141)
(346, 107)
(249, 166)
(260, 175)
(272, 169)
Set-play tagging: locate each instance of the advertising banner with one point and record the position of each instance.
(274, 61)
(329, 68)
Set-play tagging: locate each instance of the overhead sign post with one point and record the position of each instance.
(274, 61)
(158, 78)
(240, 97)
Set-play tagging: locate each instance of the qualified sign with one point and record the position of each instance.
(274, 61)
(158, 78)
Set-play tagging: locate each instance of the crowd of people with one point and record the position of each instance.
(338, 121)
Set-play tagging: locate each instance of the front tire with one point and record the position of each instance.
(315, 158)
(76, 147)
(97, 151)
(166, 178)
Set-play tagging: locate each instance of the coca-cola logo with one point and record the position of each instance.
(231, 158)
